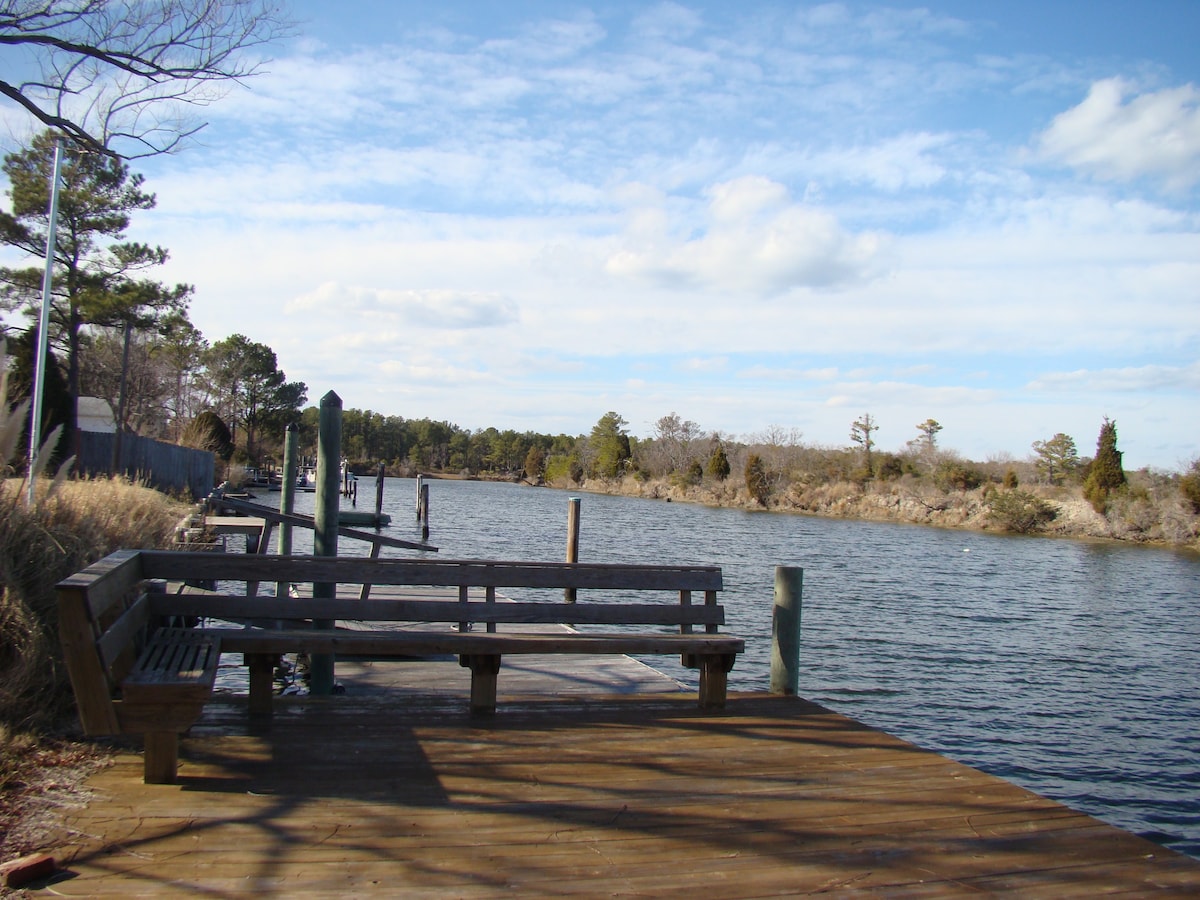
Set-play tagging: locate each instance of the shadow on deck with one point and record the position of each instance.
(398, 792)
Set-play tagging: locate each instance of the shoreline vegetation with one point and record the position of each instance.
(1055, 491)
(1160, 522)
(1149, 515)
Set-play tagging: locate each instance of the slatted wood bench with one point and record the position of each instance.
(476, 627)
(129, 675)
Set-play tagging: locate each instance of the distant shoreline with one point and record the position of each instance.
(1138, 521)
(911, 504)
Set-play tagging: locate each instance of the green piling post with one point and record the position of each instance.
(785, 630)
(325, 516)
(287, 497)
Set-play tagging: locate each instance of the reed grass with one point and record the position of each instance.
(67, 527)
(45, 535)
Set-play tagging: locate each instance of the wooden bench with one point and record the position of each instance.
(128, 675)
(472, 623)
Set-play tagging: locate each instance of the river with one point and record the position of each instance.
(1071, 668)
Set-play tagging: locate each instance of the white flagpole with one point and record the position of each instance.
(39, 377)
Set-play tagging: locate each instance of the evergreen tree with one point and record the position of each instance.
(97, 273)
(758, 483)
(1189, 486)
(208, 432)
(535, 463)
(256, 393)
(609, 446)
(718, 463)
(860, 433)
(56, 400)
(1057, 457)
(1105, 474)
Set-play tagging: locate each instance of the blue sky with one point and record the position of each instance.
(754, 215)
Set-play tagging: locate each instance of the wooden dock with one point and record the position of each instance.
(591, 780)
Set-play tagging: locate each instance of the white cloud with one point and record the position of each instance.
(1130, 379)
(435, 309)
(755, 240)
(1121, 137)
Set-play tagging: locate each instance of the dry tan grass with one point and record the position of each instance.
(63, 531)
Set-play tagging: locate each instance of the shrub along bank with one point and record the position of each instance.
(1143, 512)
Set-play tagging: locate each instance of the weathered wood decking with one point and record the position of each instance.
(578, 794)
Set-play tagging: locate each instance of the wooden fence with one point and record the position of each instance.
(162, 466)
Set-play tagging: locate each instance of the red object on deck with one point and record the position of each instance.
(26, 869)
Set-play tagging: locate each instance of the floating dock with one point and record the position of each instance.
(596, 777)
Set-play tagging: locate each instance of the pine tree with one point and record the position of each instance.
(609, 445)
(757, 481)
(98, 274)
(1105, 474)
(718, 463)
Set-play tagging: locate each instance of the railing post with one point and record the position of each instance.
(325, 522)
(785, 630)
(573, 504)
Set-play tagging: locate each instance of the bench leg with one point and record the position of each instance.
(161, 759)
(262, 682)
(484, 670)
(714, 671)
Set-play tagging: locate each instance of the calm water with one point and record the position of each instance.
(1070, 668)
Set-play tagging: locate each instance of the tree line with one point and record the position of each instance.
(114, 331)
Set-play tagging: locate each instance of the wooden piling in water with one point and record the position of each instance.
(785, 630)
(573, 505)
(325, 520)
(424, 510)
(287, 496)
(379, 494)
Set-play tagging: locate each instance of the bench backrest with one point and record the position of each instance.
(102, 615)
(484, 576)
(192, 566)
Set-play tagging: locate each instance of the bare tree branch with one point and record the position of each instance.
(124, 77)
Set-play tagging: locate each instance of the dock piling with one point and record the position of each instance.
(424, 510)
(785, 630)
(325, 520)
(573, 504)
(287, 496)
(379, 494)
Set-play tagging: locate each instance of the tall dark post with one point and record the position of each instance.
(379, 496)
(785, 630)
(325, 521)
(424, 510)
(573, 504)
(287, 496)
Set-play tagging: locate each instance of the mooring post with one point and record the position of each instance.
(287, 497)
(572, 541)
(424, 510)
(420, 485)
(325, 522)
(785, 630)
(379, 495)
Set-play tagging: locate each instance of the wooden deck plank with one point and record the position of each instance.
(393, 790)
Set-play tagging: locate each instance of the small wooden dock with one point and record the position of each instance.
(606, 780)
